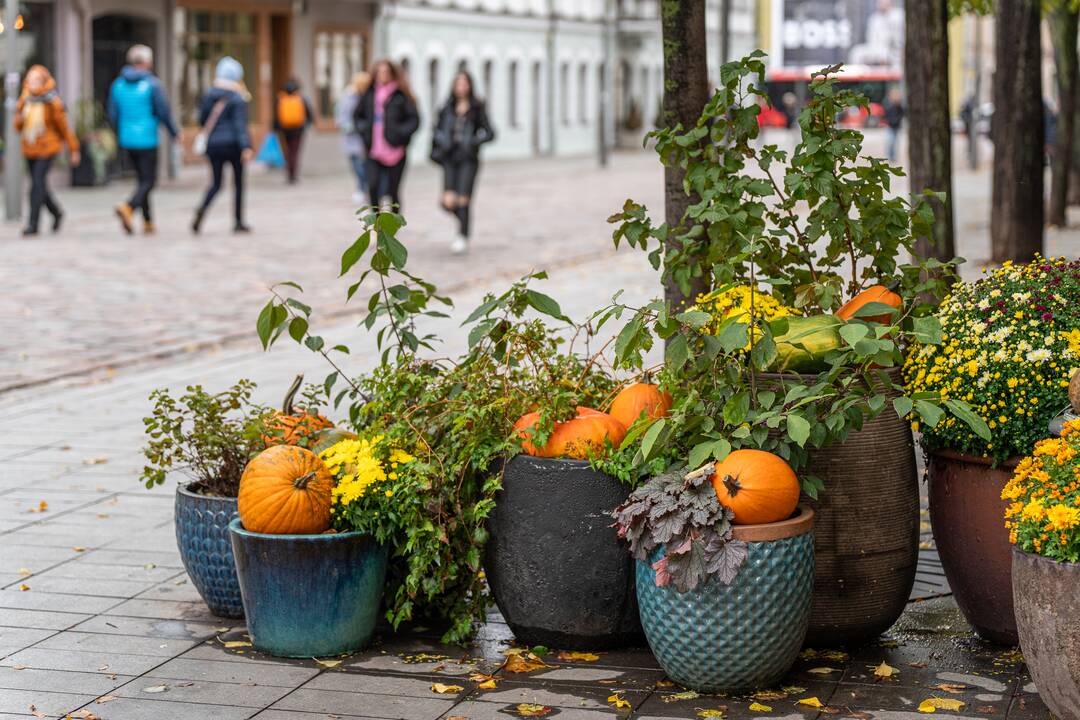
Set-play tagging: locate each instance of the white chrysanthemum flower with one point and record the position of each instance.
(1040, 356)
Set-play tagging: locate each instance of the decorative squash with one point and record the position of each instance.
(758, 486)
(286, 427)
(872, 294)
(578, 438)
(285, 490)
(637, 399)
(808, 340)
(328, 437)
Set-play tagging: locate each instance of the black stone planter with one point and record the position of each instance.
(556, 568)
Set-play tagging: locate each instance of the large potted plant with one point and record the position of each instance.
(1043, 521)
(98, 142)
(1008, 344)
(794, 342)
(725, 603)
(209, 438)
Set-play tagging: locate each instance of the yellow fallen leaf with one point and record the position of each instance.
(578, 657)
(811, 702)
(488, 684)
(328, 664)
(684, 695)
(823, 670)
(954, 688)
(770, 695)
(618, 702)
(710, 713)
(26, 572)
(105, 698)
(79, 548)
(522, 661)
(24, 587)
(41, 507)
(758, 707)
(446, 689)
(236, 643)
(884, 670)
(934, 704)
(532, 710)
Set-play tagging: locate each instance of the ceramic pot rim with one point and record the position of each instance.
(1035, 557)
(800, 523)
(185, 489)
(238, 529)
(1007, 463)
(572, 462)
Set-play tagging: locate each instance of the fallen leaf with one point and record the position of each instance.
(823, 670)
(36, 713)
(532, 710)
(79, 548)
(24, 587)
(758, 707)
(916, 664)
(792, 689)
(41, 507)
(710, 713)
(925, 545)
(155, 689)
(452, 717)
(618, 702)
(519, 660)
(186, 683)
(99, 460)
(236, 643)
(834, 655)
(102, 516)
(933, 704)
(19, 667)
(986, 710)
(423, 658)
(664, 683)
(954, 688)
(811, 702)
(328, 664)
(105, 698)
(84, 715)
(884, 670)
(446, 689)
(684, 695)
(26, 572)
(488, 684)
(578, 657)
(770, 695)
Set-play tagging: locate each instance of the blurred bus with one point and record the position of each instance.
(873, 82)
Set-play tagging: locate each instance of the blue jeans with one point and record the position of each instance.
(357, 164)
(892, 142)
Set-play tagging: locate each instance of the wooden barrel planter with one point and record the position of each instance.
(866, 530)
(556, 568)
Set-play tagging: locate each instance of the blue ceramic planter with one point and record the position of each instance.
(202, 535)
(743, 636)
(309, 595)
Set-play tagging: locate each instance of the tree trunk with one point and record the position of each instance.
(686, 90)
(926, 69)
(1063, 28)
(1074, 166)
(1016, 220)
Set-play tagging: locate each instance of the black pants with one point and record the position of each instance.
(39, 190)
(385, 180)
(459, 177)
(145, 162)
(218, 158)
(290, 146)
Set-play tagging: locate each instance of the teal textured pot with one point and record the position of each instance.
(309, 595)
(743, 636)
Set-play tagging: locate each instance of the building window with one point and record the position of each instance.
(583, 93)
(433, 84)
(512, 94)
(489, 70)
(202, 38)
(564, 92)
(338, 57)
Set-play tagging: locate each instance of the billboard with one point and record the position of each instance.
(825, 32)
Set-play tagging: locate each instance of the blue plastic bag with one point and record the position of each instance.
(270, 153)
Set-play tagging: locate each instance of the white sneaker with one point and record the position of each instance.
(360, 198)
(460, 246)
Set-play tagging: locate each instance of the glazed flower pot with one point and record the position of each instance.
(967, 513)
(1047, 597)
(866, 530)
(309, 595)
(743, 636)
(556, 567)
(202, 535)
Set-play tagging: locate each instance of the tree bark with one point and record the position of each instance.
(1016, 220)
(686, 90)
(1073, 192)
(1063, 29)
(926, 69)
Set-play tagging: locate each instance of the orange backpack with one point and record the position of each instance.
(291, 113)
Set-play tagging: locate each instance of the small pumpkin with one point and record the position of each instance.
(639, 399)
(328, 437)
(758, 486)
(579, 438)
(288, 427)
(873, 294)
(285, 490)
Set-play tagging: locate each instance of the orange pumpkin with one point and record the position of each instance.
(578, 438)
(286, 427)
(873, 294)
(285, 490)
(637, 399)
(758, 486)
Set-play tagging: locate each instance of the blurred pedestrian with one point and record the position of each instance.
(894, 119)
(386, 119)
(460, 129)
(43, 124)
(351, 142)
(292, 117)
(223, 118)
(137, 106)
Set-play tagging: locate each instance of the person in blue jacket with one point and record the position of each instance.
(223, 119)
(137, 106)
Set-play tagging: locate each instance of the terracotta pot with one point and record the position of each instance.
(968, 516)
(866, 530)
(1047, 597)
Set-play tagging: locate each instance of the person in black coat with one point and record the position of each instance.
(386, 119)
(460, 129)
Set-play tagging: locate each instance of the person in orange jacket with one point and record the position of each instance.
(43, 123)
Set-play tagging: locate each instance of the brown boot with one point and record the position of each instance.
(124, 212)
(148, 228)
